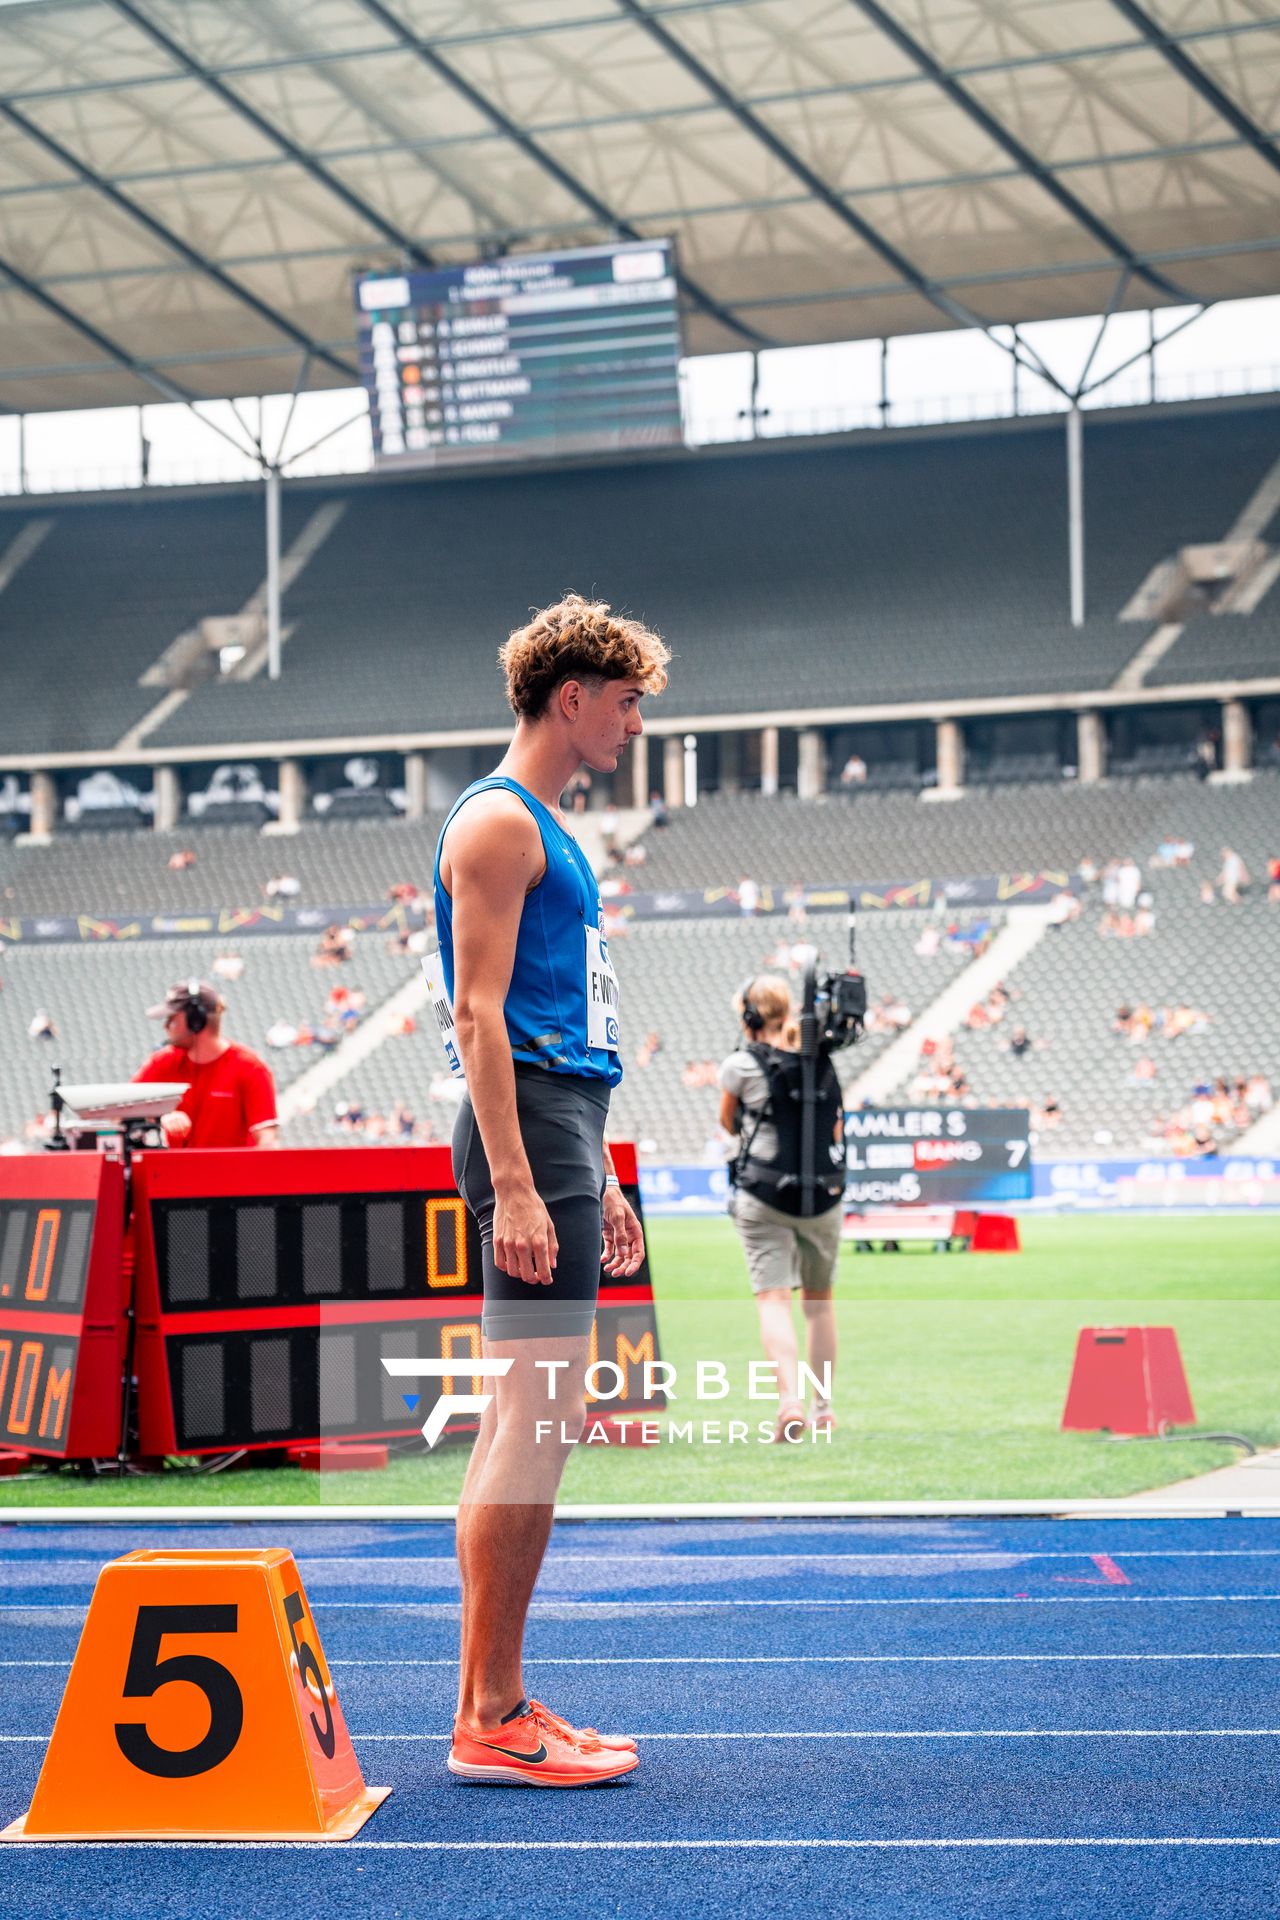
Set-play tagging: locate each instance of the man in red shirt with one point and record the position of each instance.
(231, 1095)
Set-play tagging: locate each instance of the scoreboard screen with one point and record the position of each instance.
(530, 354)
(937, 1156)
(272, 1286)
(61, 1304)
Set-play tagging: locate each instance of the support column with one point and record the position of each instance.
(415, 786)
(730, 763)
(1237, 737)
(638, 754)
(768, 760)
(673, 770)
(44, 806)
(811, 765)
(293, 796)
(1091, 748)
(1075, 513)
(950, 759)
(168, 793)
(273, 573)
(691, 769)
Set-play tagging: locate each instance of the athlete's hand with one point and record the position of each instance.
(524, 1239)
(623, 1250)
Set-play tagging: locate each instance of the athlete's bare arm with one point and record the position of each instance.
(491, 858)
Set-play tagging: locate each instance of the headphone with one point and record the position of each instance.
(752, 1018)
(197, 1017)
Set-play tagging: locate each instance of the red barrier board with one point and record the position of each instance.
(271, 1284)
(62, 1304)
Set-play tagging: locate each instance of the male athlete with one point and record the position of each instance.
(535, 1008)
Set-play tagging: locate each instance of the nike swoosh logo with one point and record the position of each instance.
(514, 1753)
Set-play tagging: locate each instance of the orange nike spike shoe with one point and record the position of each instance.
(529, 1748)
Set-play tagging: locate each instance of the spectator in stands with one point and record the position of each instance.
(1257, 1093)
(1233, 877)
(281, 1033)
(41, 1026)
(1048, 1116)
(930, 940)
(1020, 1044)
(648, 1048)
(747, 894)
(854, 772)
(1207, 894)
(337, 944)
(1144, 920)
(179, 862)
(636, 854)
(893, 1013)
(609, 821)
(1063, 907)
(230, 1099)
(659, 810)
(1205, 755)
(228, 966)
(1088, 874)
(1128, 884)
(282, 886)
(1122, 1019)
(1184, 1019)
(1273, 880)
(1141, 1022)
(1143, 1072)
(1173, 853)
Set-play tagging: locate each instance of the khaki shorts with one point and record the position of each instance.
(784, 1250)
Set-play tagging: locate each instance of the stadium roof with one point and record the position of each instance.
(187, 185)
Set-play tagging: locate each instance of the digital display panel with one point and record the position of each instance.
(264, 1316)
(37, 1382)
(573, 352)
(62, 1304)
(937, 1156)
(44, 1253)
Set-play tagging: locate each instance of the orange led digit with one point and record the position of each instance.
(6, 1355)
(462, 1330)
(30, 1354)
(457, 1276)
(42, 1250)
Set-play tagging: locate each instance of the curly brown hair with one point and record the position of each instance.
(578, 639)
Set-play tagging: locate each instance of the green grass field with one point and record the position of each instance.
(952, 1376)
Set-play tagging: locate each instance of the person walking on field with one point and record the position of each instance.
(533, 1000)
(785, 1249)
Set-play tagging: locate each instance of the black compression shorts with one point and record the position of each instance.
(562, 1118)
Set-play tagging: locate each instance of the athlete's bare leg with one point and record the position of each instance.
(505, 1514)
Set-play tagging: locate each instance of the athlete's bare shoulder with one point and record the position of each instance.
(494, 841)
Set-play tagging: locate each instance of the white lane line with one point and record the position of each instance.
(621, 1603)
(925, 1733)
(775, 1660)
(862, 1733)
(965, 1843)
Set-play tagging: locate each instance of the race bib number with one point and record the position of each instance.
(602, 995)
(442, 1008)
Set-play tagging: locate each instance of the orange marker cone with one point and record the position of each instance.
(199, 1707)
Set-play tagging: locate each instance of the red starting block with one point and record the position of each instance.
(1127, 1380)
(946, 1229)
(338, 1456)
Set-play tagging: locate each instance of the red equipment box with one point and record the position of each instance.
(62, 1304)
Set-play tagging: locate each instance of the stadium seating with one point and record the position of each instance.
(343, 863)
(97, 997)
(784, 578)
(876, 836)
(103, 595)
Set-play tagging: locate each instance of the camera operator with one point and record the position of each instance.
(231, 1095)
(785, 1246)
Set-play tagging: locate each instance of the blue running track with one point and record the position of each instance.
(896, 1717)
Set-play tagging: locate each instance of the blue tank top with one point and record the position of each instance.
(555, 977)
